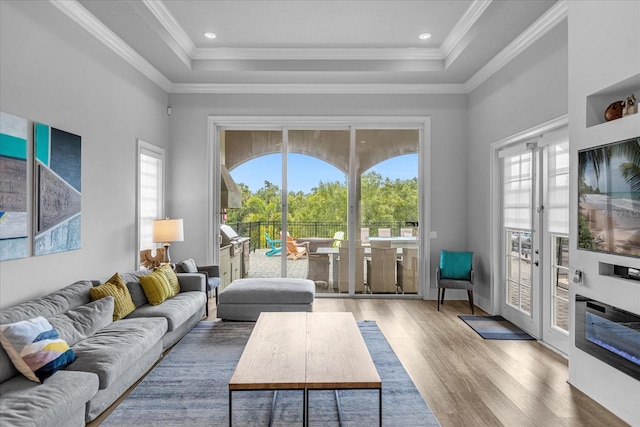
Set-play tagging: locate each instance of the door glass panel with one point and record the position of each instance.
(253, 159)
(317, 169)
(387, 195)
(517, 195)
(560, 281)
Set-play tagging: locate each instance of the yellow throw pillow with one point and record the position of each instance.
(171, 277)
(156, 287)
(117, 288)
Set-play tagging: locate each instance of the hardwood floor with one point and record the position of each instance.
(469, 381)
(466, 380)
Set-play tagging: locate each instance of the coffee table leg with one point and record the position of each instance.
(380, 405)
(230, 407)
(305, 408)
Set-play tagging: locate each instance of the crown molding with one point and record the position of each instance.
(321, 89)
(463, 26)
(169, 22)
(552, 17)
(318, 54)
(81, 16)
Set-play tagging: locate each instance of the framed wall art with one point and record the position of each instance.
(58, 190)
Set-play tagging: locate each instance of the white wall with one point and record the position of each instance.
(596, 62)
(530, 90)
(188, 166)
(53, 72)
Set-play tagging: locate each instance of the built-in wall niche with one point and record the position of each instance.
(619, 271)
(598, 102)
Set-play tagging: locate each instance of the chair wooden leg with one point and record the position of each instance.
(439, 298)
(470, 293)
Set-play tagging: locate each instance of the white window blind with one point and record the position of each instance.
(517, 190)
(150, 193)
(558, 187)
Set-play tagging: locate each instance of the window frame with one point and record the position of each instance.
(147, 149)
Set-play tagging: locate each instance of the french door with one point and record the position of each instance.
(535, 235)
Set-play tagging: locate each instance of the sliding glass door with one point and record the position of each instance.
(325, 202)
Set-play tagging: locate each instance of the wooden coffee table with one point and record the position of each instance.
(305, 351)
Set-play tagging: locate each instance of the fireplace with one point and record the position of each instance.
(609, 334)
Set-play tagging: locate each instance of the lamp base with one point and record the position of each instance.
(167, 256)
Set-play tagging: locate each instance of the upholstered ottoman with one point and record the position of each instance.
(245, 299)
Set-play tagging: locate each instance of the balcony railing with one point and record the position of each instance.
(256, 230)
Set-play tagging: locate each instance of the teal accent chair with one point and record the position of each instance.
(273, 245)
(455, 272)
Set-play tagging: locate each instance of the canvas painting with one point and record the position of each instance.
(58, 198)
(13, 187)
(609, 198)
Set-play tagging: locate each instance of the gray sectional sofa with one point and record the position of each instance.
(111, 355)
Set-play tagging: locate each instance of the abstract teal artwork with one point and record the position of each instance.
(13, 187)
(57, 177)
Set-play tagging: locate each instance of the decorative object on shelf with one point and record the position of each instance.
(166, 231)
(630, 105)
(151, 261)
(614, 111)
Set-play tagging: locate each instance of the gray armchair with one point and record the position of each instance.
(455, 272)
(211, 273)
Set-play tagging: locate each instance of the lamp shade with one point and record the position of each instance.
(168, 230)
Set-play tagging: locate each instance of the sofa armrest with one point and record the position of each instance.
(211, 270)
(192, 282)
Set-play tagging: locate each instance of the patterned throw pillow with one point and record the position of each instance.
(171, 277)
(156, 287)
(117, 288)
(35, 348)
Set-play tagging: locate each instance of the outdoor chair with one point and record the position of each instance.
(381, 268)
(384, 232)
(338, 237)
(298, 250)
(272, 244)
(408, 271)
(455, 272)
(343, 267)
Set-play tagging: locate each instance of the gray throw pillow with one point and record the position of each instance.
(189, 266)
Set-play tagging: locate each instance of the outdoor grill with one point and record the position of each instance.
(239, 245)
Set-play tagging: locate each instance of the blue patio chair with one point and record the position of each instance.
(272, 244)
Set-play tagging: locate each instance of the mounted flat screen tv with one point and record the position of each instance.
(609, 198)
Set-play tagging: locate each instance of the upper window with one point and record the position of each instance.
(150, 191)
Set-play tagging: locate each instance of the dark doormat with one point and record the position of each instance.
(495, 328)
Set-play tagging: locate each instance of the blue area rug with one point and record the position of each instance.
(190, 387)
(495, 328)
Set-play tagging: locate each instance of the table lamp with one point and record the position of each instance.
(166, 231)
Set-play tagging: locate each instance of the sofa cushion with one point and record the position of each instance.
(35, 348)
(53, 403)
(171, 277)
(176, 310)
(57, 302)
(111, 351)
(117, 288)
(81, 322)
(156, 287)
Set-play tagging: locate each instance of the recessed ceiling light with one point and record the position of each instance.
(424, 36)
(210, 36)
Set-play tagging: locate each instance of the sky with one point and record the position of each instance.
(306, 172)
